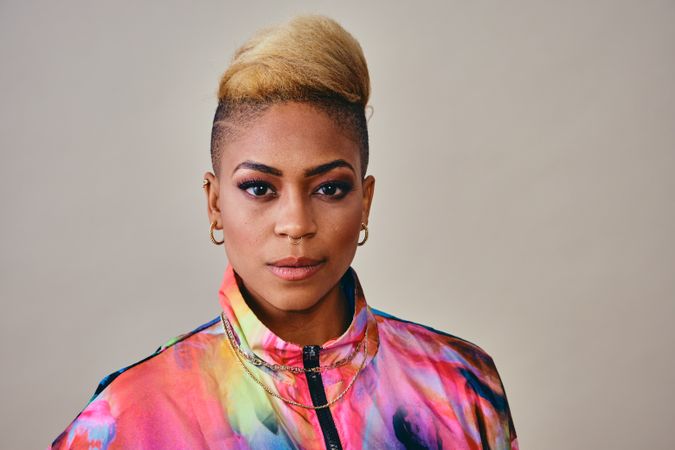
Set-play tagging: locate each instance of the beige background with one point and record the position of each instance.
(524, 155)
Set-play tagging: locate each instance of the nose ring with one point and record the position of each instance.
(294, 241)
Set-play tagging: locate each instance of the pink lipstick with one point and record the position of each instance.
(295, 268)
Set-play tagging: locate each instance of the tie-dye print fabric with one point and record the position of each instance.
(419, 389)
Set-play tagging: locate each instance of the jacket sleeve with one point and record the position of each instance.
(97, 425)
(94, 427)
(492, 412)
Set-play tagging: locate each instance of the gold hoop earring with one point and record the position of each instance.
(364, 227)
(213, 239)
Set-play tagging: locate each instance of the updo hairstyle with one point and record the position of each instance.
(310, 59)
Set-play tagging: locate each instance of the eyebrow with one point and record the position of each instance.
(259, 167)
(318, 170)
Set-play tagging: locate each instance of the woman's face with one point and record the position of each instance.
(292, 172)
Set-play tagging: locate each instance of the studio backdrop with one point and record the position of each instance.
(524, 155)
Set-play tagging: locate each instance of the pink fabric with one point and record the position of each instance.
(420, 388)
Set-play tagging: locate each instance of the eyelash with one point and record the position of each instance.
(343, 186)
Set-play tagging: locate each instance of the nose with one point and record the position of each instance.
(295, 217)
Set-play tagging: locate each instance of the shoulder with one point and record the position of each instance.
(437, 343)
(176, 357)
(133, 393)
(178, 354)
(464, 368)
(452, 355)
(466, 372)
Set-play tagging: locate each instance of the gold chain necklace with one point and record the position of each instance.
(234, 346)
(258, 361)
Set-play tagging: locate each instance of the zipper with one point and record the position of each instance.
(310, 358)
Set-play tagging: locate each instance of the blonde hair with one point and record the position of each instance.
(309, 59)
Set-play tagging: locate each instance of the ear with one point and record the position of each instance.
(212, 191)
(368, 191)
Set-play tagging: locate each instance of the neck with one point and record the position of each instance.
(327, 319)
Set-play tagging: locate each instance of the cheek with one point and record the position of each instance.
(342, 224)
(242, 225)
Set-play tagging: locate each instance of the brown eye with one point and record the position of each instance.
(329, 189)
(334, 189)
(256, 188)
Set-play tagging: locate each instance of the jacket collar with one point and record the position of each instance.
(254, 337)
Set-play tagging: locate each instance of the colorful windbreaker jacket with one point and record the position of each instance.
(418, 389)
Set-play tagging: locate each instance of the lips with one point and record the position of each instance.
(295, 268)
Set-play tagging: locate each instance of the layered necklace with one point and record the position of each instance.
(258, 361)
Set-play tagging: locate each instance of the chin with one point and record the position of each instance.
(295, 305)
(295, 299)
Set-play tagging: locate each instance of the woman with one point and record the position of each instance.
(297, 359)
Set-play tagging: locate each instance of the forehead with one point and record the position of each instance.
(291, 137)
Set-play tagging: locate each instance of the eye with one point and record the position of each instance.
(257, 188)
(334, 189)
